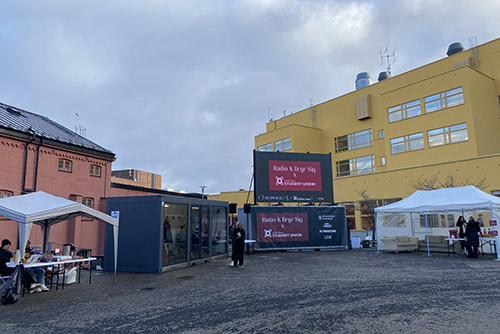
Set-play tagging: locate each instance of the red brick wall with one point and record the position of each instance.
(76, 184)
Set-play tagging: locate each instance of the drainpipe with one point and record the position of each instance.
(26, 159)
(36, 163)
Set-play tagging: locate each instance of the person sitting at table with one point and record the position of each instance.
(472, 235)
(37, 274)
(461, 232)
(5, 256)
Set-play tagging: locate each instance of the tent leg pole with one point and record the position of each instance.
(427, 232)
(376, 234)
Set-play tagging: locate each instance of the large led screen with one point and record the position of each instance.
(281, 227)
(293, 177)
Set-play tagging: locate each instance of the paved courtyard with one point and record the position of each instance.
(295, 292)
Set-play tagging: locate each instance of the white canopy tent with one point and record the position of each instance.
(398, 218)
(46, 210)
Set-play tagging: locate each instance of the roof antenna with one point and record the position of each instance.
(388, 58)
(269, 115)
(80, 130)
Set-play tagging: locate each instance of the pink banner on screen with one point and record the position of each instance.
(294, 175)
(279, 227)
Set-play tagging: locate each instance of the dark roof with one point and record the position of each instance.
(24, 121)
(153, 190)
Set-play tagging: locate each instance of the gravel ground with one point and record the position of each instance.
(358, 291)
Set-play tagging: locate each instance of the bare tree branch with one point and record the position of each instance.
(450, 181)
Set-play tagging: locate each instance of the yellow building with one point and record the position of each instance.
(439, 123)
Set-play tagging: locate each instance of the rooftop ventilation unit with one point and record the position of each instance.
(363, 80)
(383, 75)
(455, 48)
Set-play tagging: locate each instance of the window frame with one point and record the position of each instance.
(265, 148)
(404, 109)
(353, 166)
(282, 145)
(446, 134)
(85, 201)
(93, 170)
(351, 141)
(6, 192)
(406, 142)
(443, 99)
(65, 163)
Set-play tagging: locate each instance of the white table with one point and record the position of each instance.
(64, 265)
(250, 244)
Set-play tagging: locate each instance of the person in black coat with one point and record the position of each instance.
(472, 235)
(5, 257)
(238, 237)
(461, 232)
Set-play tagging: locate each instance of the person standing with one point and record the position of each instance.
(461, 232)
(472, 235)
(238, 245)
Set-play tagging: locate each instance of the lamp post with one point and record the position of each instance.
(203, 191)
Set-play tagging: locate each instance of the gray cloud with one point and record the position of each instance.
(180, 88)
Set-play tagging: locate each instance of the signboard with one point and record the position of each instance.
(293, 177)
(299, 227)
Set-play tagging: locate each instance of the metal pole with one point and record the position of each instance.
(427, 232)
(376, 233)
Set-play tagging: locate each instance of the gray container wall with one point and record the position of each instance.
(140, 235)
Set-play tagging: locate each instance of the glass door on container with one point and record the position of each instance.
(175, 231)
(195, 233)
(205, 223)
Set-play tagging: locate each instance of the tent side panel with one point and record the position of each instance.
(139, 229)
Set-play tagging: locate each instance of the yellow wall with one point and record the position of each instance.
(467, 162)
(238, 197)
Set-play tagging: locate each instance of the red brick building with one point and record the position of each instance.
(37, 153)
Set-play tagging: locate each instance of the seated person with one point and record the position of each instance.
(37, 274)
(5, 256)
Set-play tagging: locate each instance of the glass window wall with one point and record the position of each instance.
(354, 141)
(447, 135)
(219, 231)
(175, 233)
(407, 143)
(405, 110)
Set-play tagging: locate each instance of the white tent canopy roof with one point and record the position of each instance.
(45, 210)
(467, 198)
(42, 208)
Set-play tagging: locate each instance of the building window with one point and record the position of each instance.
(407, 143)
(447, 135)
(382, 161)
(265, 148)
(283, 145)
(359, 165)
(443, 100)
(381, 134)
(349, 215)
(65, 165)
(95, 170)
(354, 141)
(5, 193)
(90, 203)
(405, 110)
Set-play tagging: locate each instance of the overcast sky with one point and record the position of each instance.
(180, 88)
